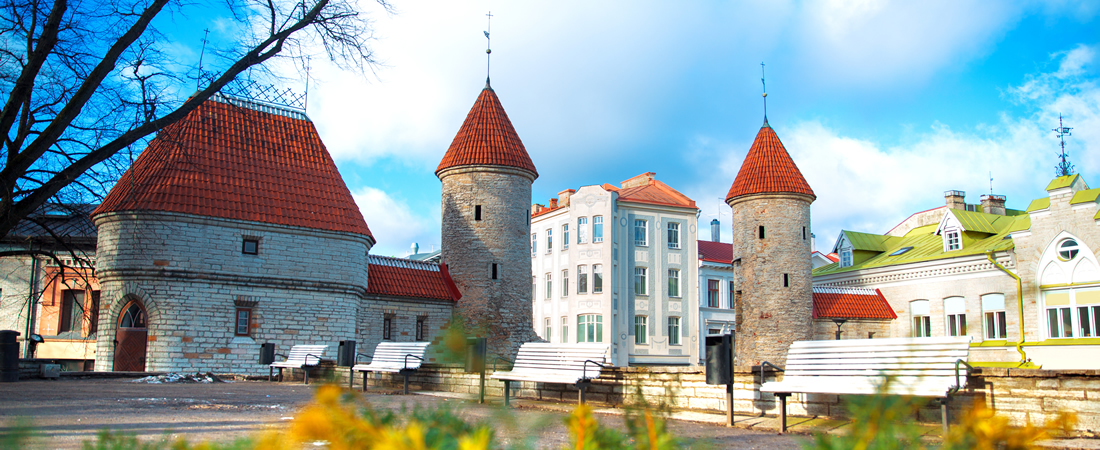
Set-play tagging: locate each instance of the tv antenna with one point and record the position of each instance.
(1064, 168)
(488, 44)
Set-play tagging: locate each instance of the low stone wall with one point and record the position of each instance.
(1020, 394)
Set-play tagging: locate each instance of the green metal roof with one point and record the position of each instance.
(1039, 203)
(866, 241)
(976, 221)
(927, 246)
(1085, 196)
(1062, 182)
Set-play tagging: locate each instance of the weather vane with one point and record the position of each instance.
(488, 45)
(1063, 168)
(765, 87)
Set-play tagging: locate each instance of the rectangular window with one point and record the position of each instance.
(803, 233)
(250, 246)
(640, 281)
(922, 326)
(244, 322)
(673, 331)
(951, 240)
(590, 328)
(597, 278)
(641, 237)
(673, 282)
(565, 237)
(712, 293)
(761, 230)
(534, 244)
(72, 311)
(730, 295)
(597, 229)
(1060, 322)
(546, 329)
(549, 240)
(496, 272)
(582, 230)
(582, 279)
(993, 313)
(845, 258)
(956, 324)
(93, 322)
(641, 330)
(673, 235)
(387, 327)
(565, 284)
(477, 212)
(786, 280)
(564, 329)
(534, 287)
(1089, 317)
(549, 285)
(420, 327)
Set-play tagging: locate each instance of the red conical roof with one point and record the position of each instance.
(768, 168)
(487, 138)
(234, 162)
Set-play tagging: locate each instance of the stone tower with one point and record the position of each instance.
(487, 176)
(771, 251)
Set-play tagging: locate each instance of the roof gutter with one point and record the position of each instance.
(1020, 304)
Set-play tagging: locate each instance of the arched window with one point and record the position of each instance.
(922, 322)
(955, 310)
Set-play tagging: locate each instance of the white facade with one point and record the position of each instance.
(716, 293)
(595, 282)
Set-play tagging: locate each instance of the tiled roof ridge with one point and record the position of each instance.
(487, 138)
(257, 105)
(768, 168)
(844, 290)
(390, 261)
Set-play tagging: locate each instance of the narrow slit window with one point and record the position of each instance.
(803, 233)
(761, 232)
(786, 280)
(496, 275)
(477, 212)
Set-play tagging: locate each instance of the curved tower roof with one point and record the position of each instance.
(235, 159)
(768, 169)
(487, 138)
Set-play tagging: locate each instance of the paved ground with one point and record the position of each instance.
(69, 411)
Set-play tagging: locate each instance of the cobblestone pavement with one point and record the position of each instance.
(67, 412)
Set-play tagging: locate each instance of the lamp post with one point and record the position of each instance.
(839, 323)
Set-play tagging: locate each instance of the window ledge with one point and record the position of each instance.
(242, 340)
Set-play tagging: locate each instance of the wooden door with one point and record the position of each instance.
(130, 338)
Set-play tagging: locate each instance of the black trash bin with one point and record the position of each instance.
(719, 359)
(9, 356)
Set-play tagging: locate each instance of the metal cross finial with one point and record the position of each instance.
(765, 88)
(1063, 168)
(488, 45)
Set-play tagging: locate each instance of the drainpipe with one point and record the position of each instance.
(1019, 300)
(31, 285)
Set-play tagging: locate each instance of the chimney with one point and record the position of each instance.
(955, 199)
(415, 248)
(993, 204)
(553, 203)
(640, 180)
(536, 208)
(563, 196)
(715, 231)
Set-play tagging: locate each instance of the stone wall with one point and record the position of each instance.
(500, 308)
(825, 329)
(1022, 395)
(404, 313)
(770, 315)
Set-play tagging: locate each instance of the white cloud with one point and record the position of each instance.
(394, 225)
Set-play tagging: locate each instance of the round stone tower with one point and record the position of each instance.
(487, 176)
(771, 251)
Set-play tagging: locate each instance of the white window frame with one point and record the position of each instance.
(954, 310)
(641, 281)
(845, 257)
(921, 322)
(534, 244)
(565, 282)
(673, 330)
(549, 240)
(547, 330)
(565, 237)
(597, 229)
(952, 239)
(674, 235)
(674, 282)
(582, 279)
(1068, 249)
(597, 278)
(642, 226)
(994, 318)
(641, 330)
(714, 297)
(549, 285)
(589, 328)
(564, 329)
(582, 230)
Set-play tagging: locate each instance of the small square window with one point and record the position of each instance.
(250, 246)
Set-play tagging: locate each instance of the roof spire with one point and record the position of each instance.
(1063, 168)
(488, 46)
(765, 88)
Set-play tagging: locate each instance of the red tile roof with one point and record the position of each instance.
(227, 159)
(657, 193)
(487, 138)
(719, 252)
(407, 278)
(768, 168)
(851, 303)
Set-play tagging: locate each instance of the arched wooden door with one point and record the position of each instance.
(131, 334)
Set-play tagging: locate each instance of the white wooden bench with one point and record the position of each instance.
(394, 357)
(556, 363)
(919, 367)
(300, 357)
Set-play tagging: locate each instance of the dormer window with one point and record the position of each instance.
(951, 240)
(845, 257)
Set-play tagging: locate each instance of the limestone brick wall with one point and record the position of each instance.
(404, 313)
(771, 316)
(1022, 395)
(936, 289)
(825, 329)
(501, 307)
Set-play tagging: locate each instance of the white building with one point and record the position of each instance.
(617, 265)
(716, 289)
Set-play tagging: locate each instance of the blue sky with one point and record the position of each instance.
(882, 104)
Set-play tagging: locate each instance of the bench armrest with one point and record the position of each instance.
(584, 372)
(407, 355)
(306, 359)
(958, 384)
(357, 355)
(765, 363)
